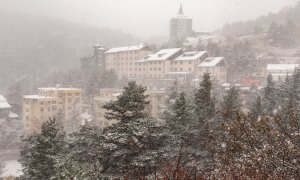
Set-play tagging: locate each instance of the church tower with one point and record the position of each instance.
(181, 27)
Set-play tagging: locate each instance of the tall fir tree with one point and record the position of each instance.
(269, 95)
(231, 103)
(129, 105)
(41, 153)
(132, 147)
(82, 161)
(204, 102)
(256, 109)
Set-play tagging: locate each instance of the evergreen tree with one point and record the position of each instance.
(256, 109)
(204, 103)
(131, 147)
(129, 105)
(231, 103)
(83, 160)
(269, 96)
(41, 152)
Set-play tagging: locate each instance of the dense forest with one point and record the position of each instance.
(198, 136)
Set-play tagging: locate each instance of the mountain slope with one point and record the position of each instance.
(40, 45)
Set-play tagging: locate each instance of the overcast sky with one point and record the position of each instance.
(148, 17)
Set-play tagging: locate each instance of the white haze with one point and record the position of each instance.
(148, 17)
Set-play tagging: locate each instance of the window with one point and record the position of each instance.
(190, 69)
(181, 69)
(159, 69)
(190, 62)
(181, 62)
(42, 109)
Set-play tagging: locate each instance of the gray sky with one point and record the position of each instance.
(148, 17)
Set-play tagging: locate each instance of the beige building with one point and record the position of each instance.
(216, 66)
(121, 59)
(51, 103)
(170, 64)
(156, 102)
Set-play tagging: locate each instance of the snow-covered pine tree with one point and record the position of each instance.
(256, 109)
(181, 138)
(231, 103)
(204, 111)
(41, 152)
(204, 102)
(129, 105)
(132, 147)
(269, 94)
(83, 161)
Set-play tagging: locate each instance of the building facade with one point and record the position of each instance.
(61, 103)
(170, 64)
(181, 27)
(121, 59)
(280, 71)
(216, 66)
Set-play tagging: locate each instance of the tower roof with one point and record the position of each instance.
(180, 11)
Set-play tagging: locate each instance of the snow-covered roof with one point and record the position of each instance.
(195, 55)
(3, 103)
(282, 67)
(59, 89)
(12, 168)
(37, 97)
(12, 115)
(211, 62)
(163, 54)
(126, 48)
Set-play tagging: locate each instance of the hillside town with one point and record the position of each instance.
(204, 105)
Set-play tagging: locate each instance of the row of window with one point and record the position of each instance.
(121, 58)
(122, 53)
(179, 69)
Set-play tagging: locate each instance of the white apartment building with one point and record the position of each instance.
(121, 59)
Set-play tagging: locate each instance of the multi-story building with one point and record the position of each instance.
(156, 101)
(280, 71)
(181, 27)
(62, 103)
(155, 66)
(121, 59)
(185, 65)
(216, 66)
(170, 64)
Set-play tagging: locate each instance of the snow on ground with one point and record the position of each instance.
(13, 168)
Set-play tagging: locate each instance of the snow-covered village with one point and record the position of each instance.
(149, 89)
